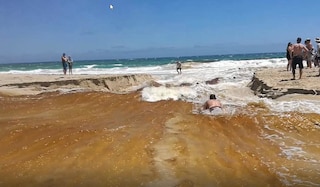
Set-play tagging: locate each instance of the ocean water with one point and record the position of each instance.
(159, 136)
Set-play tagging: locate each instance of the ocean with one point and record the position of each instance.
(159, 136)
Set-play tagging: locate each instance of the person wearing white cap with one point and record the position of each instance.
(317, 59)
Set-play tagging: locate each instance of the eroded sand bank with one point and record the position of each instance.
(277, 83)
(27, 84)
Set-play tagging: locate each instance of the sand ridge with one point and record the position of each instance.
(33, 84)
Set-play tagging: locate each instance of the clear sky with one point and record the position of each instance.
(41, 30)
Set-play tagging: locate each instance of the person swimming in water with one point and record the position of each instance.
(212, 103)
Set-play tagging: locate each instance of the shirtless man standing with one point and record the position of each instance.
(297, 57)
(212, 103)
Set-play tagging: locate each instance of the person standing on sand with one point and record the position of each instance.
(64, 61)
(70, 62)
(179, 67)
(309, 53)
(297, 57)
(289, 56)
(317, 59)
(212, 103)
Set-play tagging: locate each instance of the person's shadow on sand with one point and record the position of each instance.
(292, 79)
(313, 76)
(283, 80)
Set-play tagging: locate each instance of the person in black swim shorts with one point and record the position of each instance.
(297, 53)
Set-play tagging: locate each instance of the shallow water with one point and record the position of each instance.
(104, 139)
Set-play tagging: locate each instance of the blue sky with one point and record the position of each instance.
(41, 30)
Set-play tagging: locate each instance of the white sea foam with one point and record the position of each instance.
(295, 150)
(234, 77)
(153, 94)
(302, 106)
(292, 152)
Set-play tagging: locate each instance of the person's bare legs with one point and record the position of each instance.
(293, 69)
(309, 63)
(289, 65)
(300, 73)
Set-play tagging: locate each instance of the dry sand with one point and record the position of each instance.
(27, 84)
(277, 83)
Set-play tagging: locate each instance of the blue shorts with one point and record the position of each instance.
(64, 65)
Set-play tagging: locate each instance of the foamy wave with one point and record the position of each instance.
(302, 106)
(153, 94)
(291, 151)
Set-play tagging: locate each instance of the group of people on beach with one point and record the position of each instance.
(297, 53)
(66, 63)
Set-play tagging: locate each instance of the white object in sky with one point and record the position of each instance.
(111, 7)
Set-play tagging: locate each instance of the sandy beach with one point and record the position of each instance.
(277, 83)
(27, 84)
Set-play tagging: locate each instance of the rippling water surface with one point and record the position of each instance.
(104, 139)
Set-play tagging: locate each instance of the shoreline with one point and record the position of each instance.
(274, 83)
